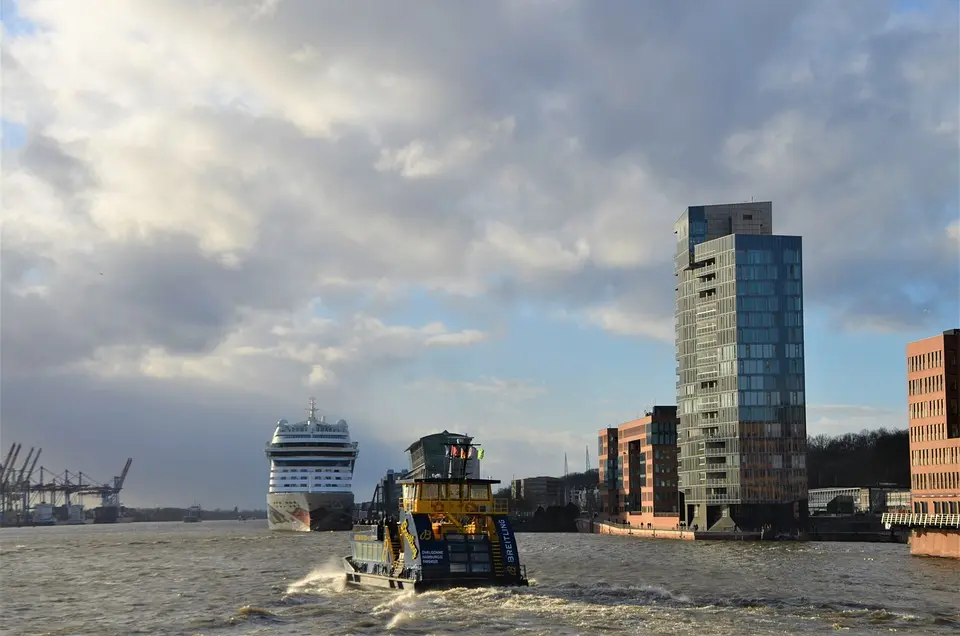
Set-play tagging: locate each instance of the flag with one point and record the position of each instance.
(480, 454)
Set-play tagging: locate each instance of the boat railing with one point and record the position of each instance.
(501, 506)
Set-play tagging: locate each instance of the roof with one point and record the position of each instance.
(444, 434)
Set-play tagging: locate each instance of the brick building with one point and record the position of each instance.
(638, 470)
(933, 398)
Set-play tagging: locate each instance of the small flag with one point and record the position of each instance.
(480, 454)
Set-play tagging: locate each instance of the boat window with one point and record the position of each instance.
(431, 491)
(453, 490)
(479, 491)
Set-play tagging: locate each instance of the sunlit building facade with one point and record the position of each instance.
(933, 399)
(638, 470)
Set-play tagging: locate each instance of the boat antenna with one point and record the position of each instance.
(312, 410)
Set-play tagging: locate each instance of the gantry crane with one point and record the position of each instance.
(19, 492)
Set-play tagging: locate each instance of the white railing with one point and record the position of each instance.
(915, 520)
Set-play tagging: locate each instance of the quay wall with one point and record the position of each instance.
(601, 527)
(605, 527)
(935, 542)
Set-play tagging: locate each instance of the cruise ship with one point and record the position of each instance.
(311, 470)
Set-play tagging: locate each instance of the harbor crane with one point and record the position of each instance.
(6, 462)
(20, 492)
(110, 496)
(10, 465)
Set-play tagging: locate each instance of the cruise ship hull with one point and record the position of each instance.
(310, 511)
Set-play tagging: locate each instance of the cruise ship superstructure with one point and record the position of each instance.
(311, 474)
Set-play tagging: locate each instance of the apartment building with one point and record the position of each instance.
(933, 399)
(638, 470)
(740, 370)
(540, 491)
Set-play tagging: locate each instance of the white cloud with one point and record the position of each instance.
(498, 388)
(631, 323)
(837, 419)
(292, 351)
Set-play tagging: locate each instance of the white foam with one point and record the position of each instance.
(329, 577)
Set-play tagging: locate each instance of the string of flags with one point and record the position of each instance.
(464, 452)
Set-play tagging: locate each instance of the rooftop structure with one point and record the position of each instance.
(430, 457)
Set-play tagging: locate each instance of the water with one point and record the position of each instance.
(236, 578)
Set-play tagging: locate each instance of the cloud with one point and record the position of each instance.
(237, 195)
(307, 352)
(837, 419)
(509, 389)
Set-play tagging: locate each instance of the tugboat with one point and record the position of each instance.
(449, 532)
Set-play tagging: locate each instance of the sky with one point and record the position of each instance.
(443, 216)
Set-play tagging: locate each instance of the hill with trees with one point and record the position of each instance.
(866, 458)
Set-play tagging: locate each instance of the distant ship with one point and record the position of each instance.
(311, 474)
(193, 514)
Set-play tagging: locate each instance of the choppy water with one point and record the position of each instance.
(235, 578)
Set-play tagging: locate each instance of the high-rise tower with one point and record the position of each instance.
(740, 385)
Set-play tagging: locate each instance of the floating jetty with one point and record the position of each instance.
(32, 496)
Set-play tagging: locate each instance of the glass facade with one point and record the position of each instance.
(740, 372)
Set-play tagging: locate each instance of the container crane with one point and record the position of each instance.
(6, 462)
(25, 475)
(110, 495)
(25, 485)
(23, 469)
(11, 465)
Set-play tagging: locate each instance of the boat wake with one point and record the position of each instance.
(572, 607)
(325, 579)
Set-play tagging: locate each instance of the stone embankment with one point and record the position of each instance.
(935, 543)
(595, 526)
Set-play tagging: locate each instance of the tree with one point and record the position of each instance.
(859, 459)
